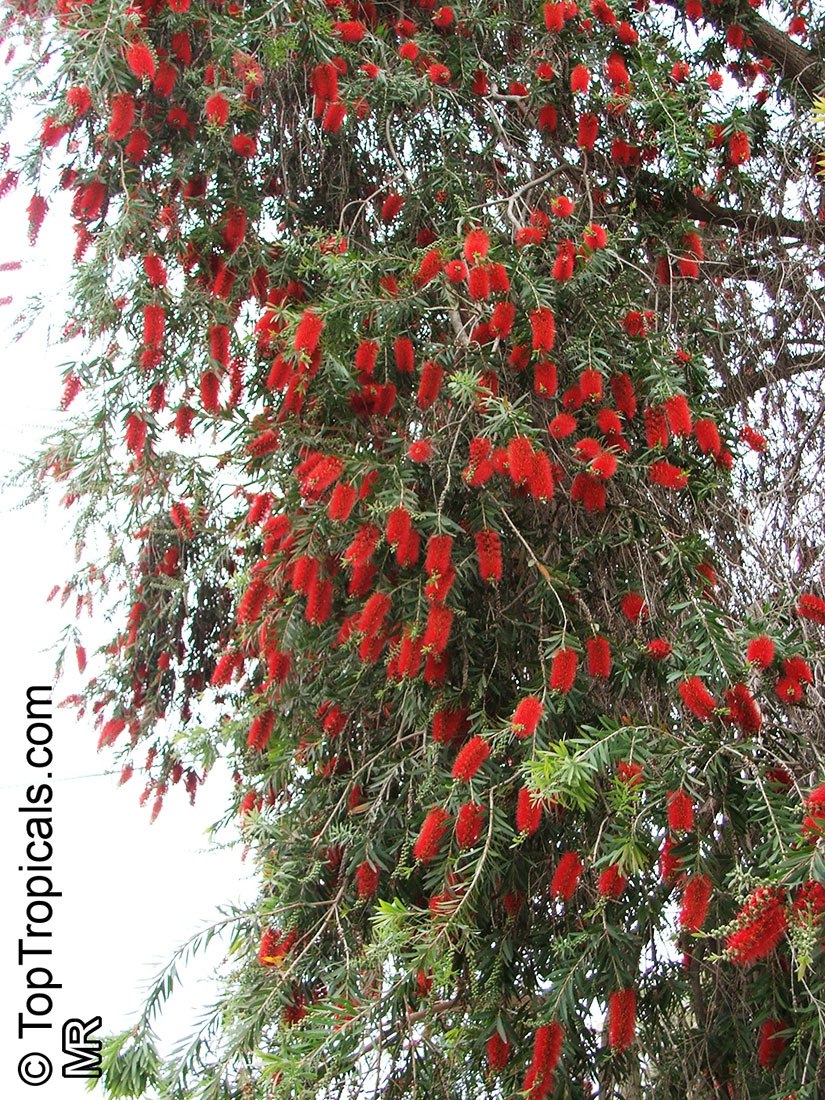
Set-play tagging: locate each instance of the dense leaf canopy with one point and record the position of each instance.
(443, 432)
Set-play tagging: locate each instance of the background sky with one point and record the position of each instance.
(131, 892)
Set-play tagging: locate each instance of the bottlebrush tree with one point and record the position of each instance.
(444, 396)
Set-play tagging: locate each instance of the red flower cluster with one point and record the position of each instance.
(695, 901)
(697, 698)
(527, 716)
(432, 832)
(621, 1019)
(547, 1044)
(566, 876)
(470, 759)
(761, 924)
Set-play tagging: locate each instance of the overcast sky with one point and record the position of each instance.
(130, 892)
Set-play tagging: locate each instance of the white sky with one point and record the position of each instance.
(131, 891)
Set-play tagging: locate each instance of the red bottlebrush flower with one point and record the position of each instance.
(679, 812)
(695, 900)
(409, 51)
(122, 116)
(141, 61)
(429, 384)
(333, 118)
(502, 319)
(219, 336)
(375, 611)
(634, 323)
(554, 16)
(244, 145)
(437, 630)
(217, 109)
(36, 210)
(669, 864)
(79, 98)
(580, 79)
(528, 812)
(110, 732)
(656, 430)
(527, 716)
(350, 30)
(366, 880)
(449, 725)
(789, 691)
(761, 651)
(342, 502)
(478, 283)
(810, 606)
(366, 355)
(404, 355)
(470, 759)
(743, 709)
(548, 119)
(566, 876)
(761, 924)
(589, 491)
(565, 261)
(476, 246)
(234, 228)
(488, 548)
(621, 386)
(520, 456)
(754, 439)
(154, 324)
(545, 378)
(274, 944)
(814, 822)
(667, 475)
(253, 600)
(135, 434)
(498, 1052)
(155, 271)
(432, 832)
(697, 698)
(590, 385)
(621, 1019)
(588, 131)
(707, 436)
(362, 547)
(604, 465)
(739, 148)
(543, 326)
(468, 824)
(137, 146)
(562, 206)
(391, 206)
(616, 71)
(210, 386)
(420, 451)
(439, 554)
(612, 882)
(438, 73)
(634, 607)
(799, 669)
(562, 426)
(431, 265)
(260, 731)
(308, 332)
(678, 415)
(771, 1042)
(594, 237)
(630, 773)
(180, 517)
(598, 656)
(547, 1044)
